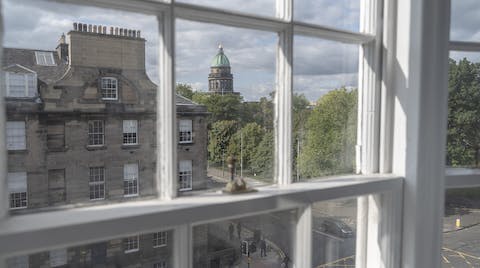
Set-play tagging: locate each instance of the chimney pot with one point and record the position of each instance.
(75, 26)
(116, 30)
(111, 30)
(84, 28)
(134, 33)
(138, 33)
(89, 28)
(80, 27)
(121, 31)
(104, 29)
(95, 28)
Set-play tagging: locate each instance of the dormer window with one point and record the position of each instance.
(109, 88)
(45, 58)
(21, 84)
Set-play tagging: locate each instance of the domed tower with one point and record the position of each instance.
(220, 79)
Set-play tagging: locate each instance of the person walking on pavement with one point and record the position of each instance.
(239, 230)
(263, 248)
(285, 262)
(231, 230)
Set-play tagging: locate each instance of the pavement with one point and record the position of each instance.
(461, 245)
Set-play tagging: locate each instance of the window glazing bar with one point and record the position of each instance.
(4, 197)
(37, 232)
(464, 46)
(332, 34)
(462, 177)
(166, 171)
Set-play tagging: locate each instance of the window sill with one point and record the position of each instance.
(131, 250)
(130, 146)
(130, 195)
(185, 142)
(28, 232)
(95, 147)
(160, 246)
(17, 151)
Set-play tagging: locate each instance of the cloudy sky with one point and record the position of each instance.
(319, 65)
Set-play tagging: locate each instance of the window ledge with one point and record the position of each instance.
(462, 177)
(29, 232)
(19, 151)
(96, 147)
(130, 146)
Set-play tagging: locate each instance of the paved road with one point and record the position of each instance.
(461, 248)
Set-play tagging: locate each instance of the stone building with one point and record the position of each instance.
(220, 79)
(81, 123)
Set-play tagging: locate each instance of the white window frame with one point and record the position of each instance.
(45, 58)
(160, 239)
(130, 132)
(92, 134)
(29, 92)
(130, 242)
(185, 175)
(110, 91)
(17, 186)
(130, 180)
(16, 140)
(401, 134)
(95, 181)
(185, 131)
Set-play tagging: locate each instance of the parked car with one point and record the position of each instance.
(337, 227)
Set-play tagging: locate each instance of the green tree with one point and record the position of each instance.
(463, 138)
(262, 161)
(245, 142)
(330, 136)
(301, 111)
(185, 90)
(220, 136)
(220, 107)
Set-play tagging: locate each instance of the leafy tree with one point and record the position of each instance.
(220, 107)
(301, 112)
(262, 160)
(245, 142)
(185, 90)
(463, 138)
(220, 136)
(330, 136)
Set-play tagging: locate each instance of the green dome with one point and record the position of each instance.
(220, 60)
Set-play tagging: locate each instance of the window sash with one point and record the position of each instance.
(131, 244)
(160, 239)
(185, 131)
(96, 133)
(96, 183)
(44, 58)
(130, 180)
(130, 130)
(16, 139)
(109, 88)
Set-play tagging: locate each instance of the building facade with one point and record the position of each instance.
(81, 123)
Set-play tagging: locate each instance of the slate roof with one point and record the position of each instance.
(26, 58)
(49, 74)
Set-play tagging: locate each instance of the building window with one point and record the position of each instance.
(17, 189)
(131, 244)
(109, 88)
(97, 183)
(130, 128)
(96, 132)
(58, 257)
(45, 58)
(161, 264)
(18, 262)
(185, 131)
(16, 135)
(56, 186)
(130, 180)
(21, 85)
(185, 175)
(159, 239)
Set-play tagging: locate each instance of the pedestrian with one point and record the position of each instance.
(239, 230)
(231, 230)
(263, 248)
(285, 262)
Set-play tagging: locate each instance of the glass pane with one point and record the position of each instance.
(257, 7)
(464, 23)
(70, 143)
(225, 85)
(324, 108)
(463, 141)
(340, 14)
(461, 228)
(258, 241)
(144, 250)
(333, 234)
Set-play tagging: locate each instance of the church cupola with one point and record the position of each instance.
(220, 79)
